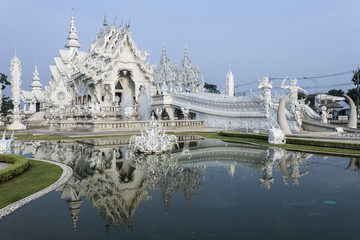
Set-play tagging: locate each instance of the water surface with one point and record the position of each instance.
(203, 190)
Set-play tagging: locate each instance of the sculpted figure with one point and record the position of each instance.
(324, 114)
(276, 136)
(266, 86)
(294, 103)
(294, 90)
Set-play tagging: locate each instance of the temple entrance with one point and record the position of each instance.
(124, 89)
(37, 107)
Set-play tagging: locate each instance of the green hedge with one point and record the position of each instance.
(317, 143)
(245, 135)
(18, 165)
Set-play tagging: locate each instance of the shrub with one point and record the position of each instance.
(19, 165)
(244, 135)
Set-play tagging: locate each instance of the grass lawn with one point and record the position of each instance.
(37, 177)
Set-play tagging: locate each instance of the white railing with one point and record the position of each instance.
(97, 126)
(219, 106)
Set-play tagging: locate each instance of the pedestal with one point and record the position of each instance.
(16, 125)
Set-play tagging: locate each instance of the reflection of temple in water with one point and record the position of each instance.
(116, 181)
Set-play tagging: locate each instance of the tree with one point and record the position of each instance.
(336, 92)
(301, 95)
(3, 81)
(352, 93)
(211, 88)
(6, 102)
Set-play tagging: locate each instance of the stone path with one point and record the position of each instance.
(4, 165)
(65, 176)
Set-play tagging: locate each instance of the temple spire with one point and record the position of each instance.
(230, 83)
(72, 44)
(105, 22)
(15, 74)
(36, 85)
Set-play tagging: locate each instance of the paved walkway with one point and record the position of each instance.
(4, 165)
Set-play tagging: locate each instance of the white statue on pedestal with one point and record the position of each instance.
(15, 74)
(324, 114)
(276, 136)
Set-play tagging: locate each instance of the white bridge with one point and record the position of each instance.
(221, 105)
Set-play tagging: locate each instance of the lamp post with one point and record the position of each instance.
(357, 72)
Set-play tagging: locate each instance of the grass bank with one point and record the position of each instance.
(39, 176)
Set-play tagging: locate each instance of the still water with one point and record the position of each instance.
(204, 189)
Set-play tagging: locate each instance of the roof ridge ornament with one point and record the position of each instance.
(105, 22)
(72, 44)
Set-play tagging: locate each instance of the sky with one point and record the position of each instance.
(277, 38)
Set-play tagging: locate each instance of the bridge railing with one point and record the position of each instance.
(98, 126)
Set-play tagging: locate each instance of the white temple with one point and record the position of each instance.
(112, 83)
(33, 99)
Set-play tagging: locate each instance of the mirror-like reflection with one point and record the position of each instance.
(117, 180)
(222, 181)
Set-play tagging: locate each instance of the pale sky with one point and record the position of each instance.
(276, 38)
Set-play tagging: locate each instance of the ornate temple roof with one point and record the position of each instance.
(109, 48)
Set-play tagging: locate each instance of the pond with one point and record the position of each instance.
(204, 189)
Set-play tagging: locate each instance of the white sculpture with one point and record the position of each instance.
(230, 90)
(15, 73)
(129, 111)
(281, 117)
(324, 114)
(294, 102)
(185, 111)
(276, 136)
(266, 86)
(294, 90)
(153, 139)
(5, 144)
(158, 112)
(95, 110)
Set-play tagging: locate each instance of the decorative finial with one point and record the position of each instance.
(105, 22)
(72, 43)
(36, 73)
(15, 52)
